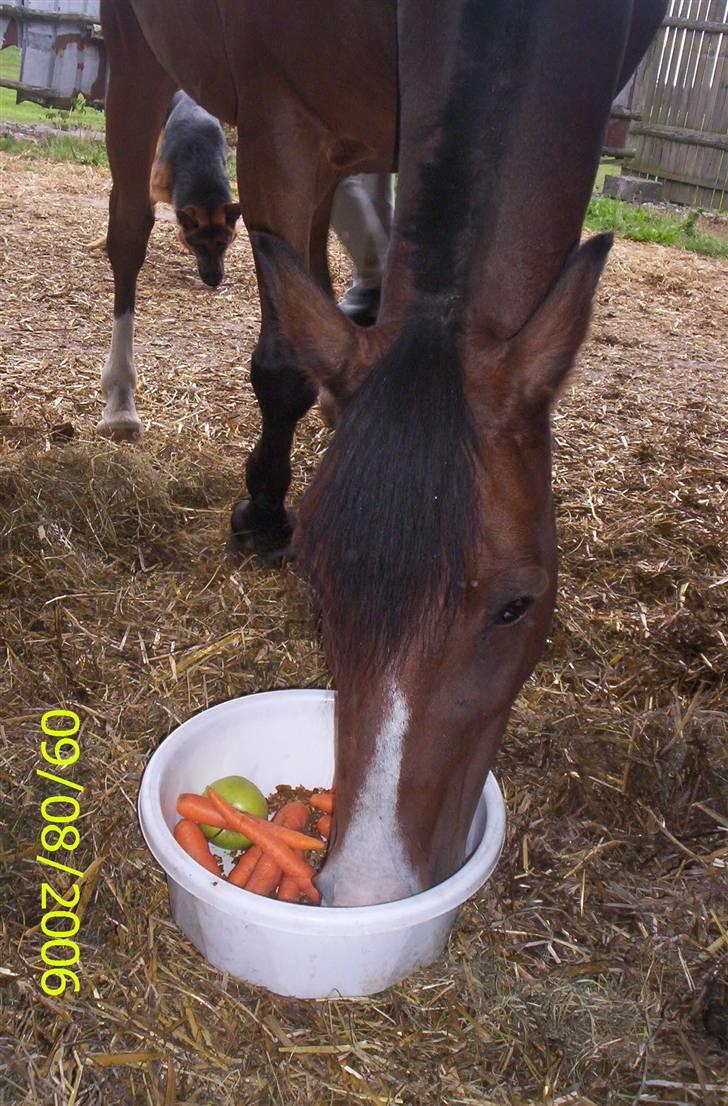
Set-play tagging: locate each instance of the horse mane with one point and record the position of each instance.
(391, 513)
(387, 520)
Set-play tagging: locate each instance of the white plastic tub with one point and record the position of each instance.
(303, 951)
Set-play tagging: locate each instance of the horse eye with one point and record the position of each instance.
(513, 611)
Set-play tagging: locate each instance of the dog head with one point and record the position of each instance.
(207, 233)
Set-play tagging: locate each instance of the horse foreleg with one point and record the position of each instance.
(322, 275)
(138, 95)
(261, 523)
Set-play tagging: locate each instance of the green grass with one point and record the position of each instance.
(642, 224)
(11, 112)
(82, 117)
(607, 167)
(62, 147)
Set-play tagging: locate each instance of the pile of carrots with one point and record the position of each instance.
(273, 863)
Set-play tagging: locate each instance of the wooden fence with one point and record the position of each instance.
(682, 100)
(61, 50)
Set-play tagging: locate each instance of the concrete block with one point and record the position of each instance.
(634, 189)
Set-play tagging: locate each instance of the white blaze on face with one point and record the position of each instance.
(354, 877)
(118, 379)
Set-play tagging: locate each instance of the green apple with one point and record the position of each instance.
(244, 796)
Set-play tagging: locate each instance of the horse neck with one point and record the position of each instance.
(500, 136)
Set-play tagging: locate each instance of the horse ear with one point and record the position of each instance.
(542, 352)
(334, 351)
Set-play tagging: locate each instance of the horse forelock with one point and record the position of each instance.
(388, 520)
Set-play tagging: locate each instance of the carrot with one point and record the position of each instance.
(310, 892)
(293, 815)
(323, 826)
(189, 835)
(289, 889)
(200, 809)
(269, 837)
(241, 873)
(266, 876)
(253, 827)
(324, 801)
(267, 873)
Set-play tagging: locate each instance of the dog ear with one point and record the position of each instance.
(232, 214)
(187, 218)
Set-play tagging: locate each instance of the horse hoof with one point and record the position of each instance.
(127, 430)
(267, 535)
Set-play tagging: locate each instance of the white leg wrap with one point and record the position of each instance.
(118, 380)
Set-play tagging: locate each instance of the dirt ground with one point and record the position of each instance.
(592, 970)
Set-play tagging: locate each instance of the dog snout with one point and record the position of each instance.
(211, 277)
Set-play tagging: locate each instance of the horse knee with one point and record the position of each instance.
(128, 234)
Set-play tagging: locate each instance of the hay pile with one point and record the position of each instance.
(593, 969)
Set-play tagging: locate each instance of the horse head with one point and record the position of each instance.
(428, 535)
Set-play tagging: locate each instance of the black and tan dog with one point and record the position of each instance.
(190, 173)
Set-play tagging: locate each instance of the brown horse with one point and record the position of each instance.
(428, 531)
